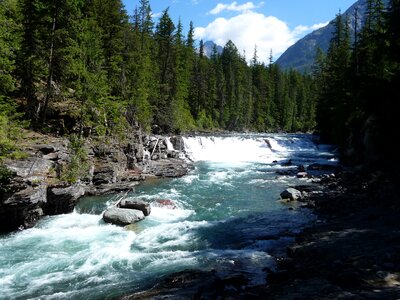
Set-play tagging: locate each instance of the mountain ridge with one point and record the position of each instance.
(301, 55)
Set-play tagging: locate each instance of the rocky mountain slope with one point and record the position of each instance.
(301, 55)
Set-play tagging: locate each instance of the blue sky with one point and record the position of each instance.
(267, 24)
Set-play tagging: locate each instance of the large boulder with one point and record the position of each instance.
(136, 204)
(62, 200)
(122, 216)
(291, 194)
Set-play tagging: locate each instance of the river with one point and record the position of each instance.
(226, 211)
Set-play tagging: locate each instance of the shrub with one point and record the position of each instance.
(78, 168)
(11, 125)
(5, 176)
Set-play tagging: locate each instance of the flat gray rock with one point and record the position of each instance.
(122, 216)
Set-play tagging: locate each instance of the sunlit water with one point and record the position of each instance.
(227, 210)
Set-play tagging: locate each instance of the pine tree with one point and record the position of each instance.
(85, 73)
(164, 37)
(10, 32)
(181, 118)
(334, 93)
(113, 21)
(143, 67)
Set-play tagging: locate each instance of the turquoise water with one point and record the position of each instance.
(226, 212)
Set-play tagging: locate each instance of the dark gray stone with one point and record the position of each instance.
(291, 194)
(167, 168)
(62, 200)
(136, 204)
(112, 188)
(177, 142)
(29, 166)
(104, 175)
(23, 208)
(46, 149)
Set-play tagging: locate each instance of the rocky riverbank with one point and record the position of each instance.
(37, 185)
(351, 251)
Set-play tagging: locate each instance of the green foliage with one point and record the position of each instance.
(5, 176)
(10, 128)
(9, 44)
(103, 72)
(358, 87)
(333, 91)
(78, 167)
(204, 122)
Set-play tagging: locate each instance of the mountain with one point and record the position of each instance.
(301, 55)
(209, 46)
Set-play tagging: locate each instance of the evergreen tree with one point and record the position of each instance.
(181, 118)
(85, 72)
(144, 69)
(9, 45)
(334, 92)
(164, 37)
(113, 21)
(88, 64)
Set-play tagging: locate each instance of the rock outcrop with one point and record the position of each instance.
(36, 187)
(167, 168)
(62, 199)
(24, 201)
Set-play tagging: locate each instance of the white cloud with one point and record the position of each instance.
(234, 6)
(247, 30)
(250, 29)
(301, 29)
(156, 15)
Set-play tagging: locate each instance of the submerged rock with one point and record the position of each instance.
(165, 203)
(291, 194)
(302, 175)
(136, 204)
(122, 216)
(188, 284)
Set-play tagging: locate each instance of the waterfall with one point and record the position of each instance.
(170, 147)
(253, 148)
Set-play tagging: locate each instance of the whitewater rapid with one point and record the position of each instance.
(267, 149)
(224, 210)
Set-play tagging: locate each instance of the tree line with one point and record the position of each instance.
(358, 85)
(88, 66)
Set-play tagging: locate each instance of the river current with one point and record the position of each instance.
(226, 211)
